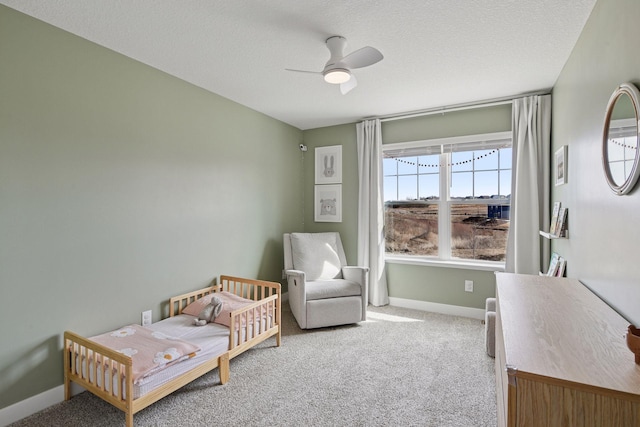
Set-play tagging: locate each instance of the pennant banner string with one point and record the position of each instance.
(437, 165)
(622, 144)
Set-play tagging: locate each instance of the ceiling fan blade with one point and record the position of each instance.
(362, 57)
(304, 71)
(348, 85)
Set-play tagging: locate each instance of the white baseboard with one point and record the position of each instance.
(434, 307)
(36, 403)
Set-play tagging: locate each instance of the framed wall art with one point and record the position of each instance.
(329, 164)
(328, 203)
(560, 170)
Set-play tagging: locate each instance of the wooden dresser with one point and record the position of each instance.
(561, 356)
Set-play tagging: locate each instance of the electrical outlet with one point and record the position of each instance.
(146, 318)
(468, 285)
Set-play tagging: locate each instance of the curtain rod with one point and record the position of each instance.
(458, 107)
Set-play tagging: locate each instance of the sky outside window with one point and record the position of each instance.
(473, 174)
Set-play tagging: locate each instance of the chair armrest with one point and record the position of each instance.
(297, 284)
(490, 305)
(295, 275)
(296, 281)
(356, 274)
(359, 275)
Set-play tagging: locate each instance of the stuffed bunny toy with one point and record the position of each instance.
(210, 312)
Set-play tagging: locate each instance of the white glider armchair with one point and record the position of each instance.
(323, 291)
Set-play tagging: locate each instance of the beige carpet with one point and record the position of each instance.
(399, 368)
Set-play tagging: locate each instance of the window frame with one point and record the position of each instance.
(444, 202)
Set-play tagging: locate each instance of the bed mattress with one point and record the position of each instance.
(212, 338)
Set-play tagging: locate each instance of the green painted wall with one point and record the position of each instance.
(603, 228)
(455, 123)
(119, 187)
(442, 285)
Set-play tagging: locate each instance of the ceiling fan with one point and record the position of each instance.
(338, 68)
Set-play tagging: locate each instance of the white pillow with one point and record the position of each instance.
(317, 255)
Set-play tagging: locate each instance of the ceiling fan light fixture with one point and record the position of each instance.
(337, 76)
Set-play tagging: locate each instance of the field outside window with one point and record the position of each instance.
(448, 205)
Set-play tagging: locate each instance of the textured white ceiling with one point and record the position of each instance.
(437, 52)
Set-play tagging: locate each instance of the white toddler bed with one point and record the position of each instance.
(109, 374)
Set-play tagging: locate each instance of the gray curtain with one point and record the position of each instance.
(370, 209)
(526, 253)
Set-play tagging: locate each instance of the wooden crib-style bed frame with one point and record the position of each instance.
(267, 299)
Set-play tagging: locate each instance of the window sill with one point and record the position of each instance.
(432, 262)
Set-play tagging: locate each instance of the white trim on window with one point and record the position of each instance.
(444, 213)
(451, 263)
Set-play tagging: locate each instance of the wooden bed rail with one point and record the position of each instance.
(246, 288)
(179, 302)
(267, 309)
(259, 319)
(99, 369)
(249, 288)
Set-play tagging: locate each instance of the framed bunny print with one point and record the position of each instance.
(329, 164)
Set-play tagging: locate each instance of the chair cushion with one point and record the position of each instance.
(336, 288)
(317, 255)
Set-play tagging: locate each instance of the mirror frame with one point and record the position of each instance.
(630, 90)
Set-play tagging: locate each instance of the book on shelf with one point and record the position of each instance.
(553, 264)
(554, 218)
(562, 265)
(561, 226)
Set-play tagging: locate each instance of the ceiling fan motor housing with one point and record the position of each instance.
(335, 71)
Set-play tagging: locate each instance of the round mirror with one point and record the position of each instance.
(620, 154)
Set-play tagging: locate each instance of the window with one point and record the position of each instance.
(622, 148)
(448, 199)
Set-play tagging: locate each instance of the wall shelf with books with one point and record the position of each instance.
(558, 228)
(557, 266)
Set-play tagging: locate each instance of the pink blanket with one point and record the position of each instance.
(150, 350)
